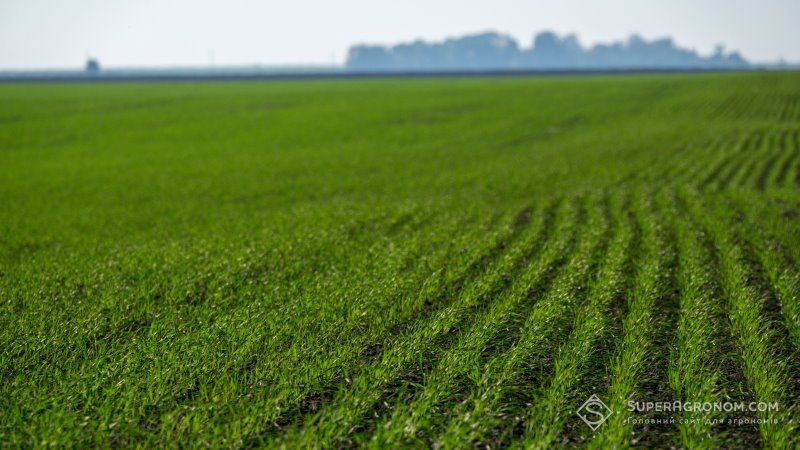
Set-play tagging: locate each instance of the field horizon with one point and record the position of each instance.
(444, 262)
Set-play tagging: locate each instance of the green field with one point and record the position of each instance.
(400, 262)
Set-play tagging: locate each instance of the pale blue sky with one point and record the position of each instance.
(38, 34)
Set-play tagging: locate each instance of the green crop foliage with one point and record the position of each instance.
(400, 263)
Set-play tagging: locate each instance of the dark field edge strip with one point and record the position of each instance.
(361, 75)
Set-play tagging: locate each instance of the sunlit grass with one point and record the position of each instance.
(398, 262)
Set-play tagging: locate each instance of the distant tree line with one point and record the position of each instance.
(493, 51)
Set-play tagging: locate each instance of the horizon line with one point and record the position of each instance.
(210, 65)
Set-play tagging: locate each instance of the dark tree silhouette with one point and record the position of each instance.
(488, 51)
(92, 66)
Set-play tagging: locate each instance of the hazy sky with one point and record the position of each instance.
(61, 33)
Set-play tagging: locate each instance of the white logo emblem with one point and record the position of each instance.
(594, 412)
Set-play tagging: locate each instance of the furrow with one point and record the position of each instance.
(737, 161)
(787, 108)
(551, 408)
(797, 161)
(792, 154)
(687, 171)
(405, 360)
(780, 266)
(414, 423)
(694, 371)
(796, 110)
(493, 412)
(768, 256)
(683, 169)
(726, 159)
(780, 150)
(633, 352)
(302, 386)
(747, 167)
(765, 373)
